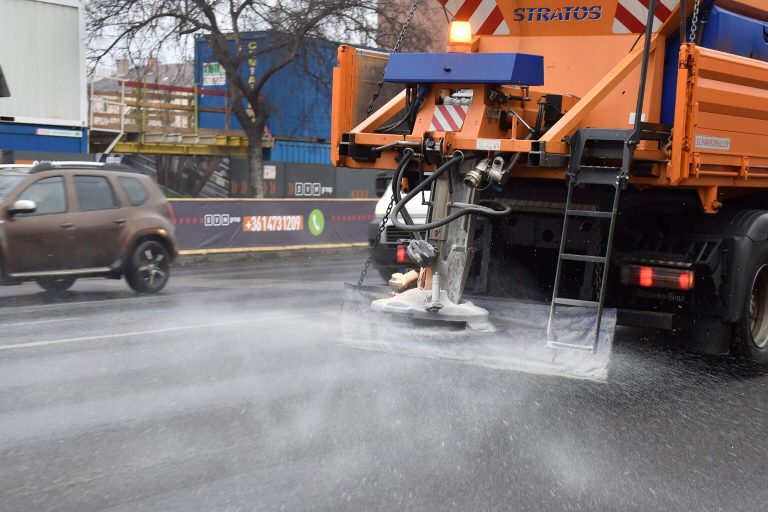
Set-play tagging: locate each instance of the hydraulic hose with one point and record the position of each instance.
(458, 213)
(399, 173)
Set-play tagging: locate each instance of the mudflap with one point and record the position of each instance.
(511, 337)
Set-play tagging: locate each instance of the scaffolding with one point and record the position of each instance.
(127, 116)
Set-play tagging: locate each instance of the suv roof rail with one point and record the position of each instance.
(50, 166)
(14, 167)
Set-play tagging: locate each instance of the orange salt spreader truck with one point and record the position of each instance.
(581, 154)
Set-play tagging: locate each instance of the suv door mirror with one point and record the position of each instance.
(22, 206)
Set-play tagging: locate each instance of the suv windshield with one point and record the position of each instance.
(8, 183)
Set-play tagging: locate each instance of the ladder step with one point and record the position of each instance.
(576, 302)
(589, 213)
(570, 346)
(599, 168)
(596, 175)
(583, 257)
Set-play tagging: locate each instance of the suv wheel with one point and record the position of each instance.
(148, 267)
(56, 284)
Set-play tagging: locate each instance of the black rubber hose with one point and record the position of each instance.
(401, 168)
(461, 212)
(410, 106)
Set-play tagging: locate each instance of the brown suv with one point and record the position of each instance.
(60, 221)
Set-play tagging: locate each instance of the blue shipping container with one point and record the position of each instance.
(42, 138)
(299, 152)
(298, 96)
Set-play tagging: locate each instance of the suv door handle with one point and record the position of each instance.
(67, 225)
(120, 221)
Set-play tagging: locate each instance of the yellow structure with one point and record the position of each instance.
(140, 117)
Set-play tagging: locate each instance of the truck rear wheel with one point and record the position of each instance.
(752, 329)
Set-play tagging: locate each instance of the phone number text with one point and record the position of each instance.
(273, 223)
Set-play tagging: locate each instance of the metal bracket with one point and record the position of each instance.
(433, 150)
(538, 156)
(348, 148)
(696, 164)
(744, 171)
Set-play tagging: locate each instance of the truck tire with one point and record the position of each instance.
(751, 339)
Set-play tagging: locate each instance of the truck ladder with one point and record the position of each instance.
(617, 143)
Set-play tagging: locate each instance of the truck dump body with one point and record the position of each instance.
(599, 146)
(591, 57)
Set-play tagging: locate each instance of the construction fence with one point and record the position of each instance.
(225, 177)
(209, 226)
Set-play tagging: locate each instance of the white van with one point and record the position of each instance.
(387, 259)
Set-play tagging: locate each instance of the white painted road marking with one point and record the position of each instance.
(36, 322)
(88, 302)
(153, 331)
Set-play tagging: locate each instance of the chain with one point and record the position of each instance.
(694, 22)
(391, 205)
(394, 50)
(376, 241)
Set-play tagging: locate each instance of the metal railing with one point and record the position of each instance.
(140, 107)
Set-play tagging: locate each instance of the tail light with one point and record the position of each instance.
(402, 254)
(657, 277)
(645, 277)
(171, 213)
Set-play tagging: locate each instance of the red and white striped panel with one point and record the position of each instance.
(483, 15)
(448, 118)
(631, 15)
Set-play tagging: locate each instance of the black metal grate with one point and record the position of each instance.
(393, 235)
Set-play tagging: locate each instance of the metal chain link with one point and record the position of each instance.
(394, 50)
(385, 219)
(376, 241)
(694, 22)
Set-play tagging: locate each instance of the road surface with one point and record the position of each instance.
(230, 392)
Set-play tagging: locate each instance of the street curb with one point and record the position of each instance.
(191, 260)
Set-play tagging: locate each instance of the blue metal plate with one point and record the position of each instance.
(465, 68)
(733, 33)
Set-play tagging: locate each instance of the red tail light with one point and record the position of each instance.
(657, 277)
(685, 280)
(646, 277)
(171, 213)
(402, 254)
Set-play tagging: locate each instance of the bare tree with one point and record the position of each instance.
(428, 31)
(133, 26)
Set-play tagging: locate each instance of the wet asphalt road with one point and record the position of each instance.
(229, 392)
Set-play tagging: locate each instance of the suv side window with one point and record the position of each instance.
(135, 191)
(48, 194)
(94, 193)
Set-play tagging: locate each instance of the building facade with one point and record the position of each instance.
(43, 57)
